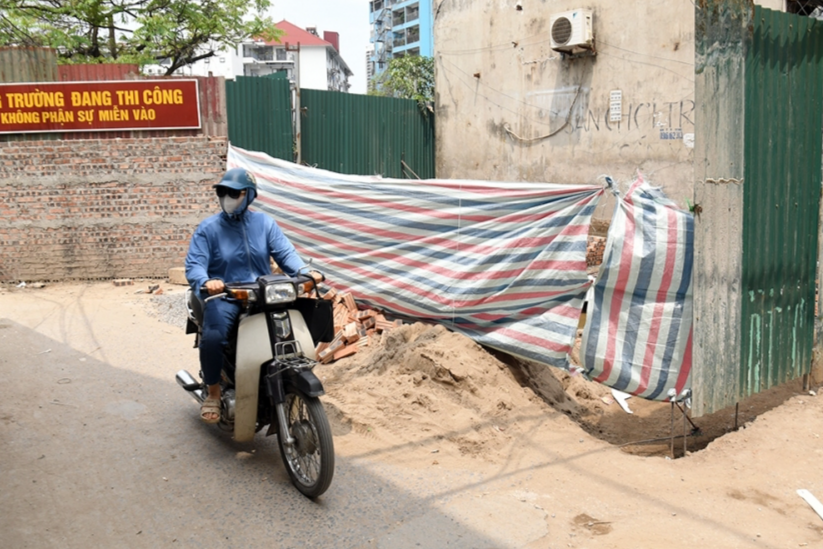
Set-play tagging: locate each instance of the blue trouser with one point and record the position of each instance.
(218, 318)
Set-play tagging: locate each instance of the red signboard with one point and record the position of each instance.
(99, 106)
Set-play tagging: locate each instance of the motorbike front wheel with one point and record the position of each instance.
(310, 460)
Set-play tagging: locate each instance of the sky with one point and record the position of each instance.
(350, 18)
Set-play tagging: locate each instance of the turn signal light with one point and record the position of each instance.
(242, 295)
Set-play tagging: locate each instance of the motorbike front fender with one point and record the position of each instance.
(253, 350)
(304, 381)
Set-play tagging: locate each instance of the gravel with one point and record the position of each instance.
(170, 307)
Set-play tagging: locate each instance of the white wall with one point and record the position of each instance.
(510, 108)
(313, 68)
(777, 5)
(223, 63)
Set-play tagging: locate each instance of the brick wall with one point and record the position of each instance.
(86, 209)
(594, 251)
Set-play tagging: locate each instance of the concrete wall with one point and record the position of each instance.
(510, 108)
(86, 209)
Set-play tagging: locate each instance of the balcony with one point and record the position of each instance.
(258, 53)
(412, 12)
(399, 39)
(413, 34)
(398, 18)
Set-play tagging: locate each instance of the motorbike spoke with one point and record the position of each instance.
(306, 466)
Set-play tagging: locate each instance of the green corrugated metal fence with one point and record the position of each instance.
(341, 132)
(759, 94)
(782, 184)
(367, 135)
(260, 115)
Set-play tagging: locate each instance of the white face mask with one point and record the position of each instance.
(230, 205)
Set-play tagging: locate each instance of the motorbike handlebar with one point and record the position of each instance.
(300, 278)
(215, 296)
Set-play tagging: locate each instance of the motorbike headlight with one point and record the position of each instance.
(282, 292)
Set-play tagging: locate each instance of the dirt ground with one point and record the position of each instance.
(552, 459)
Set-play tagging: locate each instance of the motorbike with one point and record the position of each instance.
(267, 377)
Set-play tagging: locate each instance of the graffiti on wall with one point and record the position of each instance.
(670, 118)
(666, 120)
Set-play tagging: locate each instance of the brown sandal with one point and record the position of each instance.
(210, 406)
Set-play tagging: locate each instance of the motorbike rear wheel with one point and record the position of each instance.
(310, 460)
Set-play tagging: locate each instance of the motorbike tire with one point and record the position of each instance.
(310, 462)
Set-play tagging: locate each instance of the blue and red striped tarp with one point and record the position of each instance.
(638, 334)
(503, 263)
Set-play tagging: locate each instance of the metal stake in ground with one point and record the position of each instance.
(685, 436)
(672, 430)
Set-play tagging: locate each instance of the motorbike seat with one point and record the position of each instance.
(194, 306)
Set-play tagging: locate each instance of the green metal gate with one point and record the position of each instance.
(367, 135)
(783, 116)
(260, 115)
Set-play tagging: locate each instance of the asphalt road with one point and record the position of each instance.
(92, 455)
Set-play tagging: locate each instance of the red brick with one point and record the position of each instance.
(345, 351)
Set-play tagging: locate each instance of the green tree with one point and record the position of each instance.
(407, 77)
(177, 32)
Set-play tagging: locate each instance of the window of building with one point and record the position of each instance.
(413, 12)
(399, 54)
(398, 17)
(413, 34)
(413, 51)
(399, 39)
(282, 55)
(803, 7)
(376, 5)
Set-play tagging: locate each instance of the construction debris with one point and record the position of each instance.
(353, 327)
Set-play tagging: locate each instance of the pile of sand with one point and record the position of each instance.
(422, 385)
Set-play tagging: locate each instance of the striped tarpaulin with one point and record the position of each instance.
(503, 263)
(638, 334)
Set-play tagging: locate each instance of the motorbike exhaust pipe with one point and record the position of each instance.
(187, 382)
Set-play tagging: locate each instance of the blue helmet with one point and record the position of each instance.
(240, 179)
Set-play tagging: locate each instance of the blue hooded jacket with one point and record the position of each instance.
(237, 247)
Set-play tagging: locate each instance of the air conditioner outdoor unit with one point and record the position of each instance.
(571, 31)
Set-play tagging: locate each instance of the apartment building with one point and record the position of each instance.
(398, 28)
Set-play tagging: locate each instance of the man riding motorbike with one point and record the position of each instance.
(232, 246)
